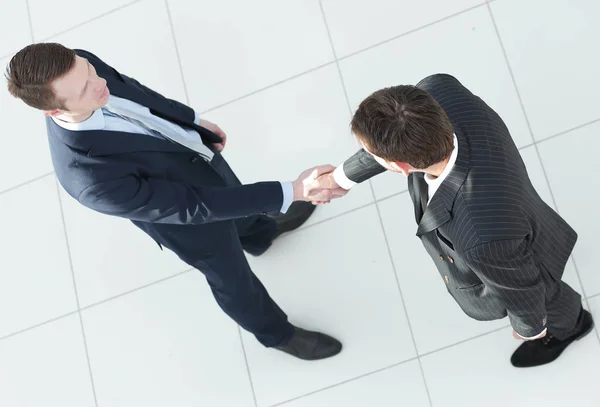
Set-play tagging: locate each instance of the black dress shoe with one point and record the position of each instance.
(548, 349)
(296, 215)
(309, 345)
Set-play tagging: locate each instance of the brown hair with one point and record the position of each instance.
(32, 70)
(404, 124)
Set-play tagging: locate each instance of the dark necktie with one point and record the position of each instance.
(421, 191)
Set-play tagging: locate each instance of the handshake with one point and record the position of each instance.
(317, 185)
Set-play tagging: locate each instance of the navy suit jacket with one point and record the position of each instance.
(145, 179)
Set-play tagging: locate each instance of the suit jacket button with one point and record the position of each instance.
(442, 258)
(451, 259)
(447, 279)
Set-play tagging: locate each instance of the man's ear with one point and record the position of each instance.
(52, 113)
(404, 168)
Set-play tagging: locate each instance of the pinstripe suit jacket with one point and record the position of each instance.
(496, 244)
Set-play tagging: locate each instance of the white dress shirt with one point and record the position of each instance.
(153, 126)
(432, 183)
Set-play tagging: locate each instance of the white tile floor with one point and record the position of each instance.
(93, 314)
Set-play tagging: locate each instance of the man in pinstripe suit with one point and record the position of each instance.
(500, 250)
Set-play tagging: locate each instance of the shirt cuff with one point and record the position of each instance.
(288, 195)
(339, 176)
(196, 117)
(533, 337)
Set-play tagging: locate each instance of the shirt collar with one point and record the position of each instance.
(94, 122)
(436, 182)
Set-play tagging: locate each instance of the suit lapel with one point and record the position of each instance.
(122, 89)
(439, 209)
(130, 92)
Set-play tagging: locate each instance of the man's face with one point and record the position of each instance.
(81, 89)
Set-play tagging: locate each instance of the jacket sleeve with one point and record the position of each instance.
(507, 268)
(361, 166)
(161, 201)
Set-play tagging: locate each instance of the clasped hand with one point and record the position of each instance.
(317, 185)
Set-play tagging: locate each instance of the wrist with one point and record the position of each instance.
(340, 179)
(298, 187)
(331, 183)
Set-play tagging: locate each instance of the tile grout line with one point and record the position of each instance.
(38, 325)
(415, 358)
(185, 89)
(370, 47)
(537, 150)
(264, 88)
(389, 250)
(443, 348)
(134, 290)
(22, 184)
(585, 299)
(349, 106)
(593, 296)
(29, 20)
(247, 366)
(47, 39)
(337, 60)
(510, 71)
(74, 280)
(358, 208)
(343, 382)
(564, 132)
(292, 77)
(93, 305)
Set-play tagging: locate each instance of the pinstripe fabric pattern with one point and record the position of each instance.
(360, 165)
(499, 248)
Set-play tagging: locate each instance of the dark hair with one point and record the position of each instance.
(404, 124)
(32, 70)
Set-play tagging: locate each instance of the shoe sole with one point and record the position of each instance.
(311, 359)
(583, 334)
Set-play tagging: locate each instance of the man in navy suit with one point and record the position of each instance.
(124, 150)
